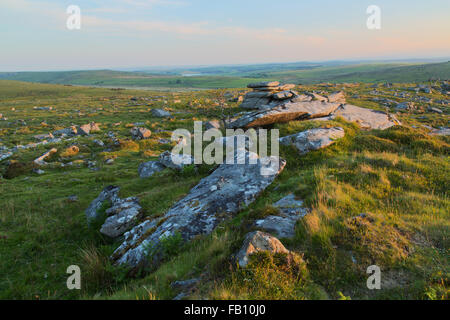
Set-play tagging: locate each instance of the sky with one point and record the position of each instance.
(146, 33)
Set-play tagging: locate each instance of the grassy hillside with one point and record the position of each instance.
(238, 77)
(401, 73)
(398, 177)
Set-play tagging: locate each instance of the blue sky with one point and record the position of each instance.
(139, 33)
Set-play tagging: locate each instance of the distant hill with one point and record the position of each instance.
(240, 76)
(401, 73)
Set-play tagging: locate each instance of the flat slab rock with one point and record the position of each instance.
(284, 113)
(256, 242)
(366, 118)
(215, 199)
(283, 226)
(313, 139)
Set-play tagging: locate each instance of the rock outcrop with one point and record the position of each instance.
(284, 113)
(256, 242)
(121, 216)
(283, 225)
(313, 139)
(215, 199)
(267, 94)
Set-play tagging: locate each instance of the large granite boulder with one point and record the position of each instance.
(256, 242)
(313, 139)
(215, 199)
(284, 113)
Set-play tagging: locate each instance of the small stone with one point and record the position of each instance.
(38, 171)
(256, 242)
(140, 133)
(175, 161)
(148, 169)
(159, 113)
(72, 198)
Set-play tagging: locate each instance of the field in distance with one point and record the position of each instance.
(240, 76)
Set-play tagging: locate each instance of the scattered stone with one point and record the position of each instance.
(164, 141)
(175, 161)
(38, 171)
(72, 198)
(71, 131)
(436, 110)
(185, 284)
(441, 132)
(215, 199)
(405, 106)
(256, 242)
(88, 128)
(45, 136)
(159, 113)
(148, 169)
(4, 156)
(41, 160)
(100, 143)
(109, 161)
(140, 133)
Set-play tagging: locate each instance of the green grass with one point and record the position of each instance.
(398, 177)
